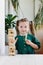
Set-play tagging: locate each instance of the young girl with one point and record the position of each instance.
(25, 42)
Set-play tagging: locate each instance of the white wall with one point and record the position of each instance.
(27, 9)
(6, 7)
(2, 27)
(9, 8)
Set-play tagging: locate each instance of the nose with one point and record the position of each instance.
(23, 29)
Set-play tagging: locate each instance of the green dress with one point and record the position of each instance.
(24, 48)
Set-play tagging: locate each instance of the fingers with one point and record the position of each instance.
(28, 42)
(15, 40)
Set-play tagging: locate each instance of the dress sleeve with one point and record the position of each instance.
(36, 41)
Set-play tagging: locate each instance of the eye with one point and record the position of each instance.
(20, 26)
(25, 26)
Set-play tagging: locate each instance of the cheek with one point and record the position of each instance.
(28, 29)
(19, 28)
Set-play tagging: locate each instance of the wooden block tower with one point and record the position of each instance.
(11, 48)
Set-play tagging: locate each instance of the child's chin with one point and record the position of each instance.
(24, 34)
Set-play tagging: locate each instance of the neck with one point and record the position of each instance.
(23, 34)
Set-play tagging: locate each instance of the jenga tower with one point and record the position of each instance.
(11, 42)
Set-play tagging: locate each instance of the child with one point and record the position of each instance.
(25, 42)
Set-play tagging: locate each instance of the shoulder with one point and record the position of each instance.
(35, 39)
(18, 36)
(31, 35)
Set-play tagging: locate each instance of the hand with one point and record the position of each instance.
(15, 40)
(28, 42)
(31, 44)
(12, 40)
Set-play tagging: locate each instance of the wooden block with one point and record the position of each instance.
(11, 54)
(11, 44)
(12, 50)
(12, 47)
(10, 35)
(11, 39)
(10, 31)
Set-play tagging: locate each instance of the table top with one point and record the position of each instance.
(21, 60)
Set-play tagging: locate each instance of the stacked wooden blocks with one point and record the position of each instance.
(11, 42)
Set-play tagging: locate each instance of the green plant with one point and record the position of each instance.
(15, 4)
(39, 17)
(9, 22)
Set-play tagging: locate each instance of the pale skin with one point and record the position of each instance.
(23, 30)
(32, 44)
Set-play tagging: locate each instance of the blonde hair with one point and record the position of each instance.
(25, 20)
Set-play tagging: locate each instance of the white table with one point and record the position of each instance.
(21, 60)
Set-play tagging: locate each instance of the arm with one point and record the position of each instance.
(32, 44)
(15, 40)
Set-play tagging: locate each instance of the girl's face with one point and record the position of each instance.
(23, 28)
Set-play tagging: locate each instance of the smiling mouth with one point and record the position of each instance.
(23, 32)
